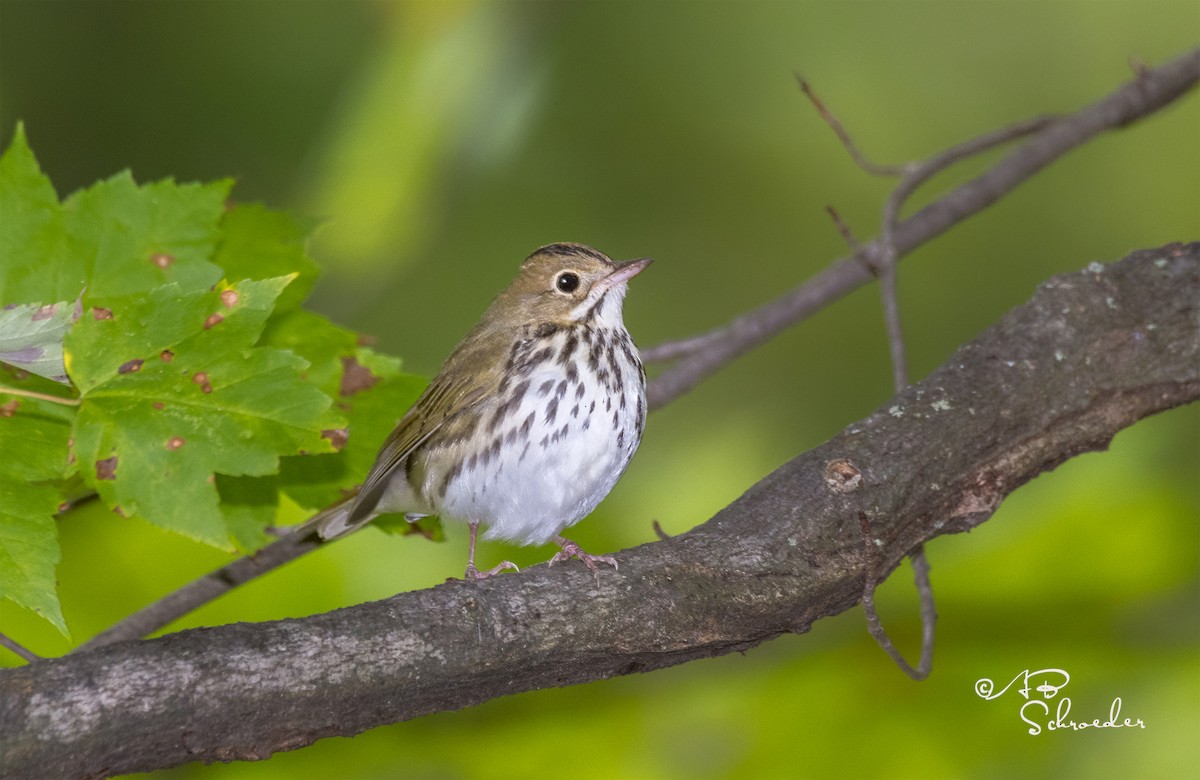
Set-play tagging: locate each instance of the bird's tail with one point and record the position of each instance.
(332, 521)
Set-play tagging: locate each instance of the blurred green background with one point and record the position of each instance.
(442, 141)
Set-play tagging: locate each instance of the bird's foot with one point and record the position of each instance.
(572, 550)
(475, 574)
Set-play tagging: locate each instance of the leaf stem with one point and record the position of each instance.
(54, 399)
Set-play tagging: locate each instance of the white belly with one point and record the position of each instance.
(562, 450)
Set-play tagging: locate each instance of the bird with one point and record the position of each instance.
(530, 421)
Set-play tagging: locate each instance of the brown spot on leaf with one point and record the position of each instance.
(337, 437)
(107, 469)
(175, 442)
(101, 313)
(213, 319)
(366, 340)
(119, 511)
(201, 378)
(162, 259)
(158, 405)
(131, 366)
(10, 408)
(229, 298)
(355, 377)
(64, 506)
(45, 312)
(167, 356)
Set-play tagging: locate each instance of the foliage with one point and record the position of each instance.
(444, 140)
(200, 390)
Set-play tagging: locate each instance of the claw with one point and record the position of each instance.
(572, 550)
(475, 574)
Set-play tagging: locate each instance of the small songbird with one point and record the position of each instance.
(531, 420)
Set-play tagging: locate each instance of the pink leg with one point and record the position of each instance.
(572, 550)
(476, 574)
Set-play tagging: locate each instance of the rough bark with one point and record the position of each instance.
(1090, 354)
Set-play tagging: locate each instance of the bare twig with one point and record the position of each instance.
(912, 175)
(851, 147)
(702, 355)
(844, 229)
(891, 318)
(928, 611)
(19, 649)
(195, 594)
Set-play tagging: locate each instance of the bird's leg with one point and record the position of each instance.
(474, 573)
(572, 550)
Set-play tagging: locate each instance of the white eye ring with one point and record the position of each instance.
(566, 282)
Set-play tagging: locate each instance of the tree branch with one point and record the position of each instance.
(705, 354)
(1090, 354)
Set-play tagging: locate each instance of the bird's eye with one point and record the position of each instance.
(567, 282)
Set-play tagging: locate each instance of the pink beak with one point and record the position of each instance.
(624, 272)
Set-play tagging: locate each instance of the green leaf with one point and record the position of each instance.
(174, 393)
(324, 345)
(143, 237)
(249, 505)
(33, 438)
(258, 243)
(371, 391)
(29, 549)
(38, 261)
(112, 239)
(31, 337)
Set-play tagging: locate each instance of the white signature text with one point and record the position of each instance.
(1036, 711)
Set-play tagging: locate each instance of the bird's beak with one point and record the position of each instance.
(626, 271)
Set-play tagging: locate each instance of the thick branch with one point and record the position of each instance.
(1091, 353)
(707, 353)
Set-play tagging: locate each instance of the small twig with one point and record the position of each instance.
(843, 229)
(928, 612)
(912, 174)
(844, 137)
(54, 399)
(703, 355)
(17, 648)
(891, 318)
(198, 592)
